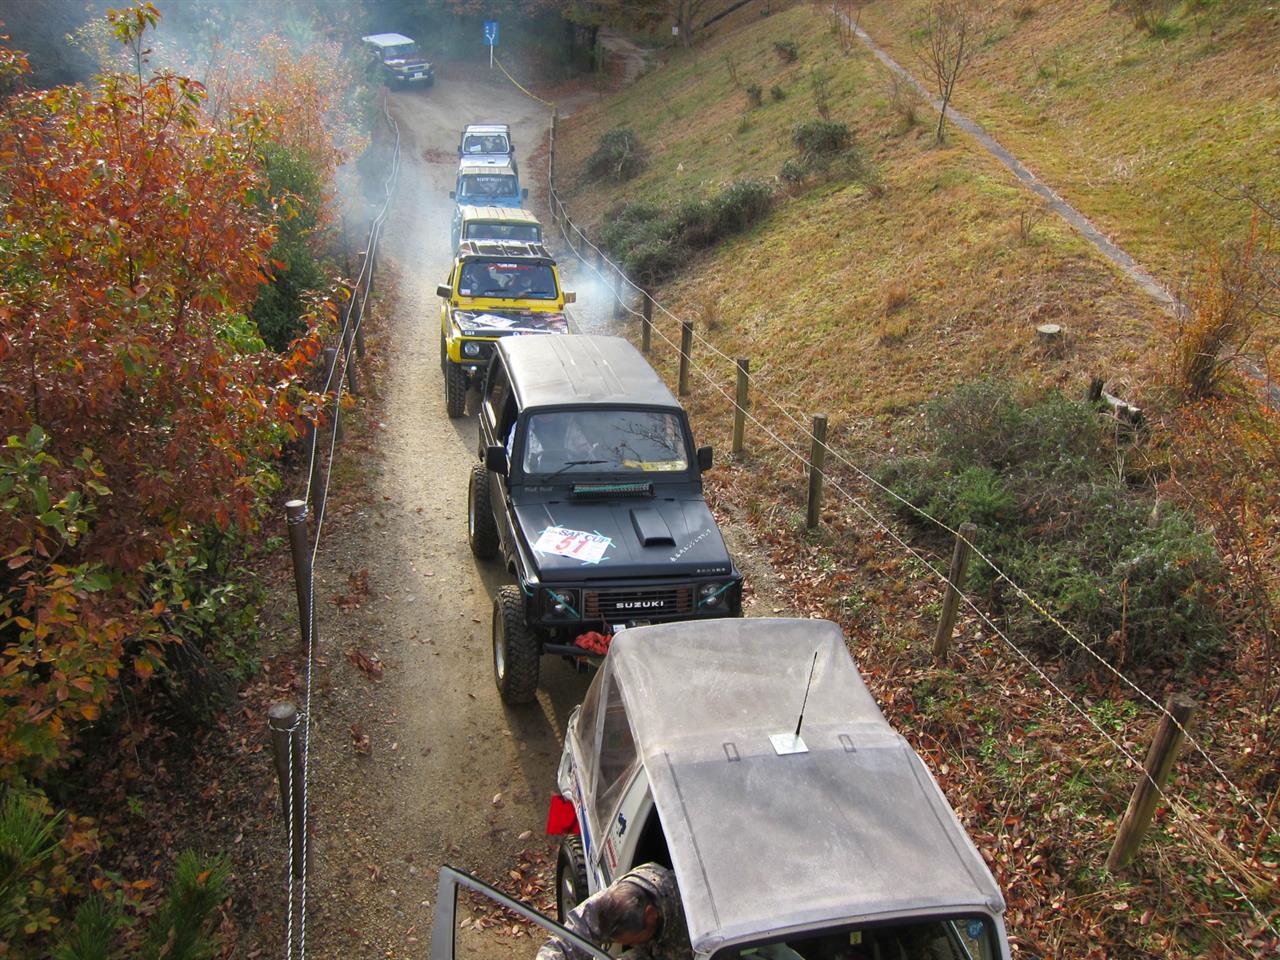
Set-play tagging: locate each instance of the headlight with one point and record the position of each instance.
(562, 604)
(471, 349)
(713, 595)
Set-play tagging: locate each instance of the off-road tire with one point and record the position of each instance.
(571, 875)
(482, 530)
(444, 354)
(516, 651)
(455, 390)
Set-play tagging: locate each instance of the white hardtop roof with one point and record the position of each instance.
(853, 830)
(486, 128)
(503, 214)
(486, 163)
(387, 39)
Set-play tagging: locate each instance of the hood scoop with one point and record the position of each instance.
(651, 528)
(608, 491)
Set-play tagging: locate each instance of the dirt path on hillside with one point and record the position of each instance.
(451, 775)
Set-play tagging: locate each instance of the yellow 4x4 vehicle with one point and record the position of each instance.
(495, 289)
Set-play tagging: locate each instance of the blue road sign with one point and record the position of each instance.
(491, 33)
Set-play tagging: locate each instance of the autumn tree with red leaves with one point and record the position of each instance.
(139, 405)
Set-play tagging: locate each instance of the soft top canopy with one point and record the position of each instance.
(853, 829)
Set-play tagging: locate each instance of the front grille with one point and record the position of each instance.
(637, 603)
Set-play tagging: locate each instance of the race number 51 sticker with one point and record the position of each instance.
(575, 544)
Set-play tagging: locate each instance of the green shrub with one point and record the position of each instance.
(794, 170)
(755, 95)
(619, 156)
(821, 138)
(741, 205)
(280, 304)
(1038, 476)
(777, 93)
(786, 50)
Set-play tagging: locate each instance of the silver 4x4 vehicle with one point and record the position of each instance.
(589, 488)
(836, 844)
(399, 59)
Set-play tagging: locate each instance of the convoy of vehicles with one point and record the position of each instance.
(794, 833)
(589, 488)
(399, 60)
(495, 289)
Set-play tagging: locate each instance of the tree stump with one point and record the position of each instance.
(1049, 338)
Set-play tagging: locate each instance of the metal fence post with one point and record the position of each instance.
(282, 718)
(295, 512)
(1155, 774)
(740, 407)
(955, 583)
(817, 464)
(686, 345)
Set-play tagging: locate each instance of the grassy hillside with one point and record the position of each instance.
(1149, 133)
(864, 297)
(927, 277)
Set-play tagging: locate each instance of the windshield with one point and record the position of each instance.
(488, 185)
(519, 232)
(604, 441)
(476, 143)
(511, 281)
(966, 938)
(399, 51)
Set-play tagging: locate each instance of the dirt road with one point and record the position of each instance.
(451, 775)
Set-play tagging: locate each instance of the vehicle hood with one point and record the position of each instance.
(640, 537)
(496, 323)
(406, 63)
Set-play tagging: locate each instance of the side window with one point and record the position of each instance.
(617, 759)
(497, 391)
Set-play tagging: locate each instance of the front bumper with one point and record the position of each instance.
(426, 75)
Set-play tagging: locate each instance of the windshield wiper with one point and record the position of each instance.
(575, 463)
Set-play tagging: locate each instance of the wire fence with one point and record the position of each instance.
(339, 373)
(613, 278)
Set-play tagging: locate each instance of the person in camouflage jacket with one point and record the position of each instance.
(640, 910)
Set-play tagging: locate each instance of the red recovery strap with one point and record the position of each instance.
(561, 817)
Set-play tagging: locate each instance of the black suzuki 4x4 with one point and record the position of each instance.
(590, 489)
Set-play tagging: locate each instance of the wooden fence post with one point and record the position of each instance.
(646, 323)
(551, 161)
(282, 718)
(686, 346)
(817, 463)
(619, 301)
(740, 407)
(1155, 774)
(955, 583)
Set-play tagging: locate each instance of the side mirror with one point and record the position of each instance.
(524, 194)
(570, 296)
(453, 194)
(495, 459)
(704, 458)
(444, 290)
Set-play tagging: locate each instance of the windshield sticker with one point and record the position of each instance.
(655, 465)
(574, 544)
(526, 321)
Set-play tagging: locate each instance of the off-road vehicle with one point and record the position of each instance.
(486, 140)
(399, 60)
(495, 223)
(590, 490)
(494, 290)
(831, 844)
(488, 181)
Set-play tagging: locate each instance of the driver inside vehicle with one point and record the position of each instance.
(641, 910)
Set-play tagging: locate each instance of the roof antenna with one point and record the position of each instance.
(784, 743)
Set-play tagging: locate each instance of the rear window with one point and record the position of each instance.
(518, 232)
(486, 185)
